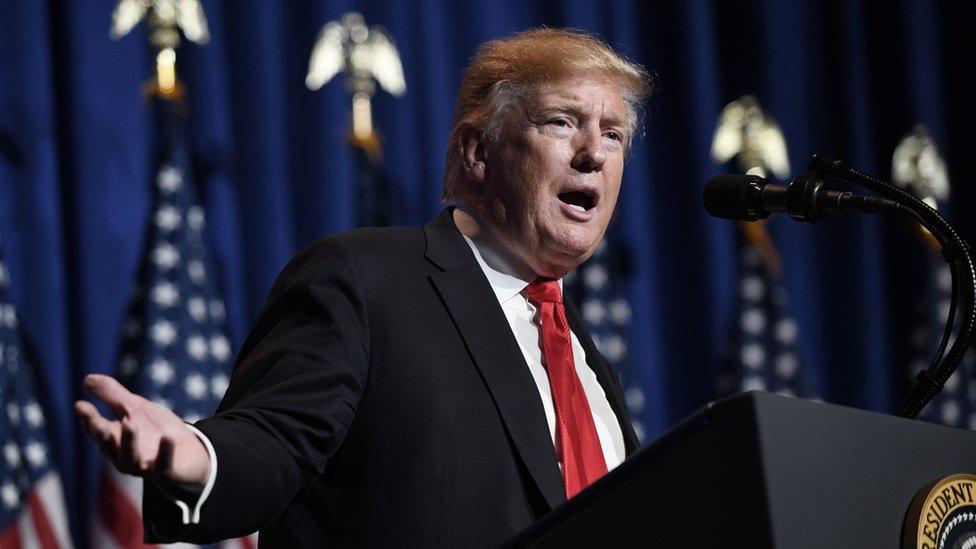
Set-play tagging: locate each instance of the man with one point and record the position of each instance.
(421, 387)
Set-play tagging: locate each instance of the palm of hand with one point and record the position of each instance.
(147, 440)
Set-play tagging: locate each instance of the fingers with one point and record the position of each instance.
(111, 392)
(130, 443)
(145, 450)
(106, 434)
(147, 440)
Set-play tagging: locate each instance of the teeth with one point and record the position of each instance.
(577, 207)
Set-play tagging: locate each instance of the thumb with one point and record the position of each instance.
(164, 458)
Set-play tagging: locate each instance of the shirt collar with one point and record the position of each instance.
(500, 275)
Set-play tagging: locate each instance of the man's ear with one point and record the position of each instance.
(473, 154)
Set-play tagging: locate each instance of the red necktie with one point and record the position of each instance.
(577, 444)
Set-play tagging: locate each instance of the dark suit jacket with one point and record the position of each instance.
(381, 399)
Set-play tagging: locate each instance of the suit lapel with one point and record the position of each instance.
(479, 319)
(606, 377)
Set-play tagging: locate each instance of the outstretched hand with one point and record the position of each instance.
(147, 440)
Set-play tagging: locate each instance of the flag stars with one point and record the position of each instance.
(218, 385)
(9, 316)
(196, 386)
(165, 294)
(33, 414)
(195, 218)
(161, 371)
(786, 331)
(614, 348)
(752, 288)
(217, 309)
(753, 383)
(10, 495)
(168, 218)
(13, 413)
(753, 321)
(196, 347)
(11, 454)
(198, 274)
(634, 397)
(169, 179)
(36, 454)
(787, 365)
(594, 277)
(166, 256)
(162, 332)
(753, 355)
(220, 348)
(620, 311)
(197, 308)
(593, 311)
(950, 412)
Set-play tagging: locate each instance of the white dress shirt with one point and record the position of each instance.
(520, 313)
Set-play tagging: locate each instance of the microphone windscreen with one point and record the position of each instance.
(731, 196)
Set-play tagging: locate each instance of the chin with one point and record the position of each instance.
(557, 265)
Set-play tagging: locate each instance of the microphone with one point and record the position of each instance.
(806, 198)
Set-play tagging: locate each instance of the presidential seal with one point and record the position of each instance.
(943, 515)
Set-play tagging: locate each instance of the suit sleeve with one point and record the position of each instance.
(291, 400)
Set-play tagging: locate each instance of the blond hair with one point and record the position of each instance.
(503, 70)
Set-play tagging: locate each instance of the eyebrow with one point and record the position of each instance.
(576, 109)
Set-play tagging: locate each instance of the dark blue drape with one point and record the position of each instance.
(846, 78)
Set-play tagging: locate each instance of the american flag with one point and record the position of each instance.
(918, 166)
(607, 314)
(175, 350)
(762, 351)
(32, 510)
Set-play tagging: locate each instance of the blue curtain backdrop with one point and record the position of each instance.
(846, 78)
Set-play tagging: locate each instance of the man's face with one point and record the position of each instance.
(553, 175)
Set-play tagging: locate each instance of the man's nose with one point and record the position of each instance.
(590, 154)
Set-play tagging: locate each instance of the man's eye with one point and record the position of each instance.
(615, 135)
(560, 122)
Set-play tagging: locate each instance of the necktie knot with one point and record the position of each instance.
(544, 290)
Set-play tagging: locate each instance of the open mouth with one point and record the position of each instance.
(578, 200)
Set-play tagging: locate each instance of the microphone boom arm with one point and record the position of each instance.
(956, 252)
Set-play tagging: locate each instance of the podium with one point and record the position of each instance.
(761, 470)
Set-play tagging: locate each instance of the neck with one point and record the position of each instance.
(496, 253)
